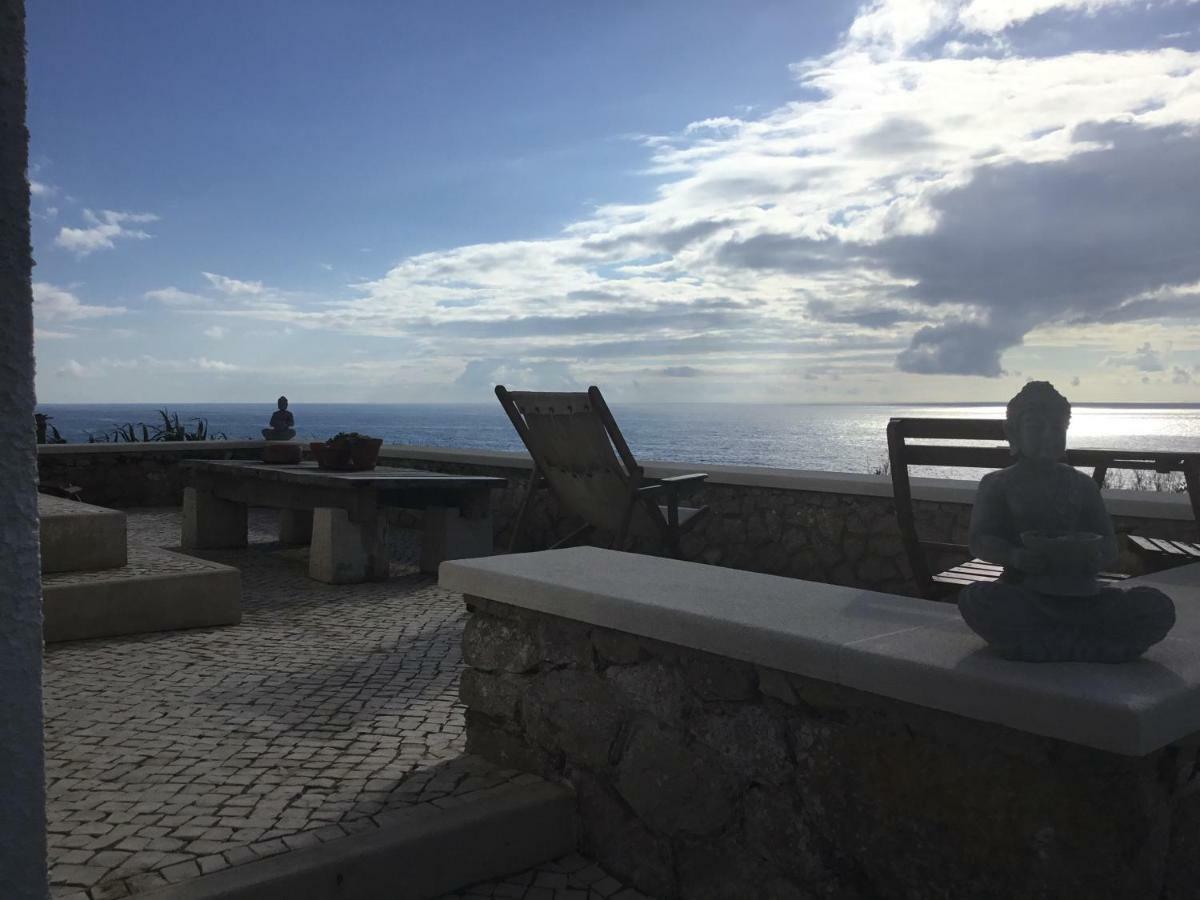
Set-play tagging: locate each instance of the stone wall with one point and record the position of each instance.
(702, 777)
(828, 527)
(22, 792)
(125, 475)
(845, 532)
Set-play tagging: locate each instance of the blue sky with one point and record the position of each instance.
(896, 200)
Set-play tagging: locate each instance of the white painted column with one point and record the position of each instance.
(22, 773)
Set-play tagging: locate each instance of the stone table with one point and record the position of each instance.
(340, 513)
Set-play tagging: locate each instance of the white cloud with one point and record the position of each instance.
(149, 363)
(173, 296)
(51, 303)
(72, 369)
(103, 230)
(935, 198)
(1144, 359)
(233, 286)
(216, 332)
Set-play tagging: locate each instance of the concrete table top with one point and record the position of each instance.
(900, 647)
(308, 473)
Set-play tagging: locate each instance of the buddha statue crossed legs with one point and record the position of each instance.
(1045, 522)
(283, 423)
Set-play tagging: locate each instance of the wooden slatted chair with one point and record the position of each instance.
(902, 454)
(580, 455)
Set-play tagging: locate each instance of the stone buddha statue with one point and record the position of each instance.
(1045, 522)
(283, 423)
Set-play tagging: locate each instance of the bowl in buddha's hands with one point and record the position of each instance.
(1072, 560)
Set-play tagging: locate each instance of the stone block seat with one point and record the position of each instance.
(78, 537)
(727, 729)
(95, 585)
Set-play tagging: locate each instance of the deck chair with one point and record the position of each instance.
(579, 454)
(904, 452)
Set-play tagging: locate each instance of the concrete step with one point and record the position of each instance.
(78, 537)
(156, 590)
(424, 852)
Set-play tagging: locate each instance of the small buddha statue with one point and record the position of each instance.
(1045, 522)
(283, 424)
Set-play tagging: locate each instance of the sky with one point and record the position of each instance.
(678, 200)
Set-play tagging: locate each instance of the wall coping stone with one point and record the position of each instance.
(904, 648)
(153, 448)
(1151, 505)
(1144, 504)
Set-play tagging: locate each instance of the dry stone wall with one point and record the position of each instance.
(837, 537)
(704, 777)
(133, 474)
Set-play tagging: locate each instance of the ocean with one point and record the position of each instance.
(830, 437)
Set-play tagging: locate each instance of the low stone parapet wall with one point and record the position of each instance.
(833, 527)
(733, 735)
(127, 475)
(839, 528)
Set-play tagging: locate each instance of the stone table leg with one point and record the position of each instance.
(295, 526)
(346, 552)
(210, 523)
(451, 535)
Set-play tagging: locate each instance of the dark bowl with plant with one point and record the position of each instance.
(347, 451)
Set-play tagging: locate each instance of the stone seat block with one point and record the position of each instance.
(157, 590)
(78, 537)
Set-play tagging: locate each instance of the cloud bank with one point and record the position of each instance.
(943, 189)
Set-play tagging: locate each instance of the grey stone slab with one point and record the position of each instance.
(898, 647)
(157, 590)
(505, 828)
(80, 537)
(1130, 708)
(785, 623)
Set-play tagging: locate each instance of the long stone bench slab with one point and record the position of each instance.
(726, 729)
(78, 537)
(894, 646)
(157, 590)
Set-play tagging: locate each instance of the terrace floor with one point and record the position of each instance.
(330, 707)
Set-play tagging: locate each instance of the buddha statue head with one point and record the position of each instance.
(1036, 421)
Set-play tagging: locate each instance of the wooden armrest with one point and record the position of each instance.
(683, 480)
(650, 488)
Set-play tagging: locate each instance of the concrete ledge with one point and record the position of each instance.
(78, 537)
(893, 646)
(936, 490)
(426, 851)
(156, 591)
(139, 448)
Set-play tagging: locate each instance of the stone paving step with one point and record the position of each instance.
(78, 537)
(156, 590)
(571, 877)
(421, 852)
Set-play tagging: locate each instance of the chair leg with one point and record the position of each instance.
(618, 541)
(523, 512)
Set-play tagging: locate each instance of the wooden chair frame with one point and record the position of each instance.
(902, 455)
(639, 489)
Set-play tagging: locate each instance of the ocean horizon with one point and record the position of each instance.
(846, 437)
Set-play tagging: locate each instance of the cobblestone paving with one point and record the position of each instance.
(573, 877)
(176, 754)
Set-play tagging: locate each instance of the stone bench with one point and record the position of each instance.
(724, 729)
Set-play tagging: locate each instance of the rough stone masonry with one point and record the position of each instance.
(700, 776)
